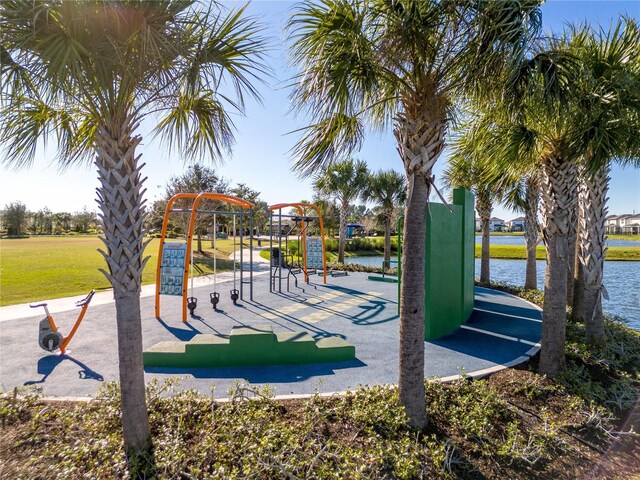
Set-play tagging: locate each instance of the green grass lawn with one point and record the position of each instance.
(518, 252)
(40, 268)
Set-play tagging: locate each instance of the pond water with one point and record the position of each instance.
(519, 240)
(621, 279)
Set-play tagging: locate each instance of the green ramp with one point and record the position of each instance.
(248, 346)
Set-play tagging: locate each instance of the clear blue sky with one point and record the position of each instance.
(261, 157)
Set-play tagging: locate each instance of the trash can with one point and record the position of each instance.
(275, 257)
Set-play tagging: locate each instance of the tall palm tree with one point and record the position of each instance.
(467, 172)
(609, 94)
(89, 73)
(388, 190)
(400, 63)
(344, 182)
(553, 118)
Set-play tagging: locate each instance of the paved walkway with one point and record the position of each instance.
(502, 331)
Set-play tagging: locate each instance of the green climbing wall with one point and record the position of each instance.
(449, 265)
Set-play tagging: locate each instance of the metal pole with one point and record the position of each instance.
(251, 254)
(241, 264)
(234, 252)
(280, 251)
(270, 251)
(215, 264)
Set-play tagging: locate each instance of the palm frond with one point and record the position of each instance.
(332, 138)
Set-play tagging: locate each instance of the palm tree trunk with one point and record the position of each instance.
(342, 241)
(420, 142)
(412, 328)
(122, 207)
(484, 208)
(558, 199)
(592, 250)
(531, 231)
(387, 240)
(572, 239)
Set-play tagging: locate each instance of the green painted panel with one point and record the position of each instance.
(449, 265)
(248, 346)
(465, 199)
(443, 270)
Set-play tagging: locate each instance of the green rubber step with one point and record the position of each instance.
(247, 346)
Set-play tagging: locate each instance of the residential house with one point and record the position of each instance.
(628, 223)
(612, 224)
(496, 224)
(515, 225)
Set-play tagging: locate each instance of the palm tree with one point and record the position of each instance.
(343, 181)
(554, 116)
(609, 93)
(401, 63)
(388, 191)
(474, 166)
(542, 135)
(525, 197)
(90, 73)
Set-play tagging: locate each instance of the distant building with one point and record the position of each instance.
(515, 225)
(355, 229)
(628, 223)
(496, 224)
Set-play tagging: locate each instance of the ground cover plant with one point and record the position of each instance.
(39, 268)
(516, 424)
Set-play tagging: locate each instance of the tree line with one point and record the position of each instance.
(17, 221)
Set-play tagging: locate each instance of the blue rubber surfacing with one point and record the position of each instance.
(361, 312)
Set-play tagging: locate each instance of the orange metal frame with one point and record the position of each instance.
(198, 197)
(300, 207)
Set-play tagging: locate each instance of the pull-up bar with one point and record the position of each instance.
(304, 220)
(197, 198)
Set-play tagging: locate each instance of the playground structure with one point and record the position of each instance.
(449, 265)
(49, 338)
(175, 259)
(311, 249)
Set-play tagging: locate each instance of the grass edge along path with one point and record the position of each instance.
(515, 424)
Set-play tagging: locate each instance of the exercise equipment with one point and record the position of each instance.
(192, 303)
(214, 297)
(311, 250)
(49, 338)
(172, 273)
